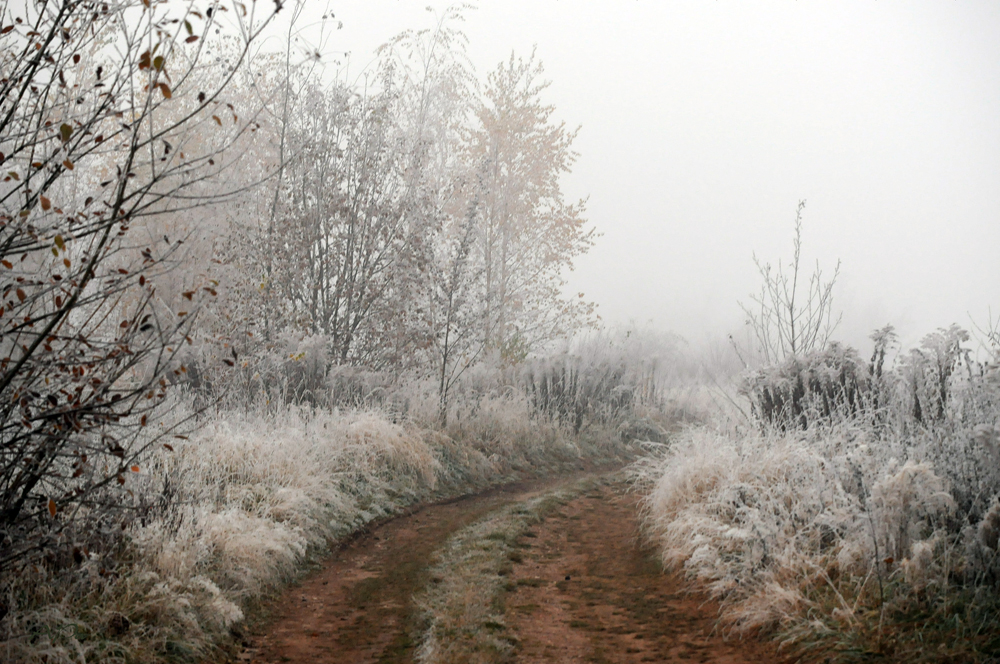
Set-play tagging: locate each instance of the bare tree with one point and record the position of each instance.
(99, 106)
(791, 316)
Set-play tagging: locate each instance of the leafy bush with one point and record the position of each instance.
(820, 386)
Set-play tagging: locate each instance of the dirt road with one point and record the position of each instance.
(584, 590)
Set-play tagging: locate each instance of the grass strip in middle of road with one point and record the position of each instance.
(462, 607)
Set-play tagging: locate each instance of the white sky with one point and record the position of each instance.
(703, 123)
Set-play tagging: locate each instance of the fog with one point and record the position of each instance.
(703, 124)
(273, 295)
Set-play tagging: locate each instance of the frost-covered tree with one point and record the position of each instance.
(103, 115)
(527, 233)
(414, 224)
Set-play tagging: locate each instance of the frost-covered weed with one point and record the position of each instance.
(873, 526)
(236, 510)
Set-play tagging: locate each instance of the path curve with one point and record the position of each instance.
(584, 589)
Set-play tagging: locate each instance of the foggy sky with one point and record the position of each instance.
(704, 123)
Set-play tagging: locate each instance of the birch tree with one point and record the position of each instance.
(528, 233)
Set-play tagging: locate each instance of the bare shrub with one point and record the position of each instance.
(790, 315)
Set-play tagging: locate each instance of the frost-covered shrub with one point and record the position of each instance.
(237, 508)
(603, 378)
(925, 373)
(909, 504)
(843, 515)
(820, 386)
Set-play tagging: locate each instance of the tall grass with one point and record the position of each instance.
(224, 518)
(856, 514)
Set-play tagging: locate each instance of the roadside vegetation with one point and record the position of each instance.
(248, 309)
(249, 305)
(851, 508)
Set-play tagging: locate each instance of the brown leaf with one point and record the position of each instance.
(134, 469)
(52, 507)
(165, 89)
(68, 164)
(216, 118)
(46, 203)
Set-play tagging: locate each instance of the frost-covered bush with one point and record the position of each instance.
(862, 508)
(820, 386)
(235, 510)
(605, 378)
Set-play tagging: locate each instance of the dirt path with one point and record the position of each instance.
(359, 607)
(587, 591)
(583, 591)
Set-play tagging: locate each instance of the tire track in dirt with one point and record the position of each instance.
(588, 590)
(359, 606)
(582, 589)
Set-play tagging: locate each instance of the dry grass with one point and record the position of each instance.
(241, 508)
(832, 540)
(463, 607)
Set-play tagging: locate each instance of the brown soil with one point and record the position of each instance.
(584, 591)
(359, 607)
(589, 591)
